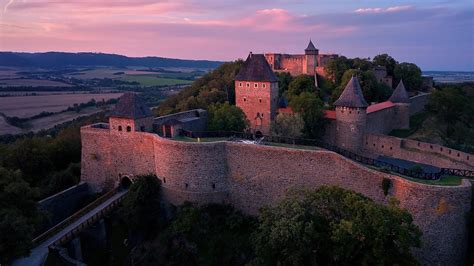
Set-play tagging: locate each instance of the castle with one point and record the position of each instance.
(309, 63)
(134, 142)
(256, 92)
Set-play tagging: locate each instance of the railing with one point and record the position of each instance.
(415, 173)
(71, 219)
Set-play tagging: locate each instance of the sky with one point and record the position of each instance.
(434, 34)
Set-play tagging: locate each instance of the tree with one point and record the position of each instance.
(141, 205)
(387, 61)
(334, 226)
(336, 68)
(288, 125)
(226, 117)
(410, 74)
(212, 234)
(18, 215)
(311, 109)
(362, 64)
(302, 83)
(284, 80)
(372, 90)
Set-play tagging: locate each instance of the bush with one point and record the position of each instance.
(226, 117)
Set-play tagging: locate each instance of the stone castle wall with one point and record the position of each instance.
(249, 176)
(382, 121)
(418, 102)
(418, 151)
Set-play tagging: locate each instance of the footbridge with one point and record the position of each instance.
(70, 228)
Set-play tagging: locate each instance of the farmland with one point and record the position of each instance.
(154, 80)
(28, 106)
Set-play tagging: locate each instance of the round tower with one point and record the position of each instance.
(351, 117)
(402, 111)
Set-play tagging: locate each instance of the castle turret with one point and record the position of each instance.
(131, 114)
(351, 117)
(311, 59)
(402, 111)
(256, 92)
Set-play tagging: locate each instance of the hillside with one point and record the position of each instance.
(60, 59)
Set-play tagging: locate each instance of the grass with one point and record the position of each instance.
(292, 146)
(416, 121)
(154, 80)
(443, 181)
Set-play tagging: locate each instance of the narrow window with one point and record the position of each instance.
(390, 147)
(248, 85)
(213, 186)
(449, 151)
(186, 185)
(264, 85)
(441, 149)
(245, 99)
(164, 180)
(459, 154)
(260, 100)
(431, 146)
(468, 158)
(240, 84)
(129, 128)
(120, 128)
(255, 85)
(383, 146)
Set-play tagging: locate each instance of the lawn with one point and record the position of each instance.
(188, 139)
(154, 80)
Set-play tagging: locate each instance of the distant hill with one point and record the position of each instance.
(60, 60)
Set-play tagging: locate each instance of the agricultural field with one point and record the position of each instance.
(6, 128)
(28, 106)
(50, 121)
(154, 80)
(32, 82)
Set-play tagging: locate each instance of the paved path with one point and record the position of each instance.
(39, 254)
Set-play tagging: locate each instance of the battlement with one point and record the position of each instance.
(247, 177)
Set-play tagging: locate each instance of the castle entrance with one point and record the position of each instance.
(125, 182)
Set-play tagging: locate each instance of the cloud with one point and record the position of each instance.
(376, 10)
(7, 5)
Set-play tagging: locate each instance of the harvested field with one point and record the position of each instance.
(154, 80)
(28, 106)
(50, 121)
(6, 128)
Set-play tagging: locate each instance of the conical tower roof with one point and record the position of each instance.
(256, 68)
(400, 94)
(352, 95)
(311, 46)
(130, 105)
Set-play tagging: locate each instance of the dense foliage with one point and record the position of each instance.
(214, 87)
(333, 226)
(326, 226)
(226, 117)
(141, 206)
(311, 108)
(453, 108)
(288, 125)
(18, 215)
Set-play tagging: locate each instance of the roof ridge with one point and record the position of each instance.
(400, 94)
(352, 95)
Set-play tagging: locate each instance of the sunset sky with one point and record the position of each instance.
(436, 35)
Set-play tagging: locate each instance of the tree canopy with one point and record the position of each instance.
(387, 61)
(226, 117)
(333, 226)
(288, 125)
(410, 74)
(311, 108)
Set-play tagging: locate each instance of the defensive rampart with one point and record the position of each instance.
(418, 102)
(418, 151)
(250, 176)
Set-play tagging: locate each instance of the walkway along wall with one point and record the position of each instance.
(250, 176)
(418, 151)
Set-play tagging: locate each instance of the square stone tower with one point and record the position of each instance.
(131, 114)
(311, 59)
(256, 93)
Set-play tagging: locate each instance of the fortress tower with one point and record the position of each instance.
(256, 92)
(402, 110)
(130, 115)
(351, 117)
(311, 59)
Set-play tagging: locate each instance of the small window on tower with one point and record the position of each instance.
(240, 84)
(255, 85)
(260, 100)
(245, 99)
(248, 85)
(119, 128)
(129, 128)
(264, 85)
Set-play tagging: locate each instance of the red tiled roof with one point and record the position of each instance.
(330, 114)
(379, 106)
